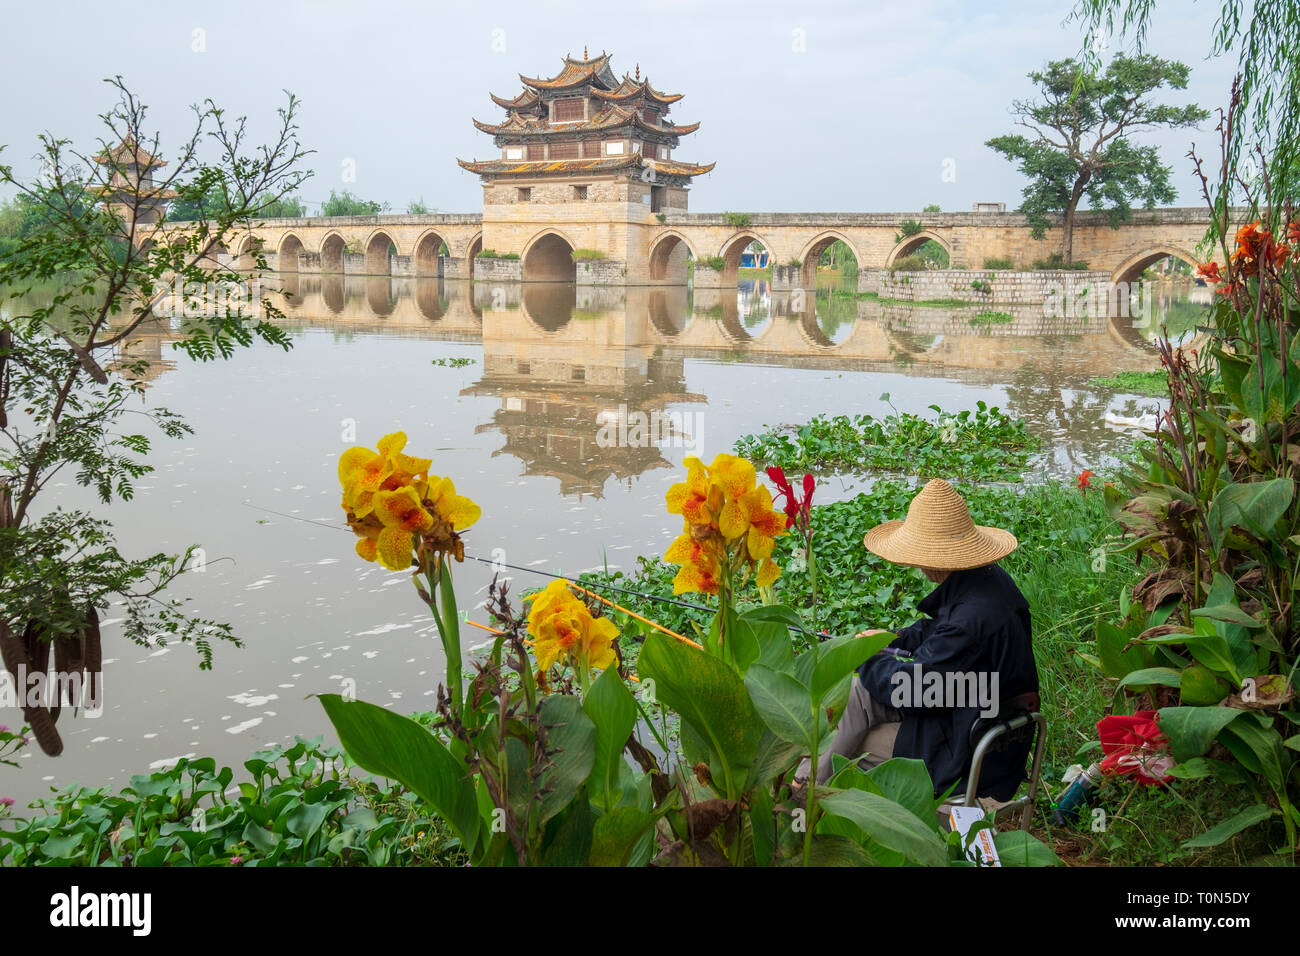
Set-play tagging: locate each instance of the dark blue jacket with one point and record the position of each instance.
(978, 624)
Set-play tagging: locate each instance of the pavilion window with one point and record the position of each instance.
(536, 151)
(564, 150)
(514, 152)
(569, 109)
(614, 148)
(579, 192)
(525, 193)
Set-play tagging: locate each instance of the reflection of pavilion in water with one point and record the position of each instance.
(564, 386)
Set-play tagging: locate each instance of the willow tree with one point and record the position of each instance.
(101, 257)
(1079, 144)
(1264, 116)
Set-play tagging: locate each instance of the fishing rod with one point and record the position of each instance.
(546, 574)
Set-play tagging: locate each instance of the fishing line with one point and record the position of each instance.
(546, 574)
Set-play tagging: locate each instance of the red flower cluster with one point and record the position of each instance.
(1134, 743)
(797, 510)
(1085, 479)
(1255, 246)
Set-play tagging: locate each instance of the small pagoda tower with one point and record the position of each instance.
(586, 167)
(129, 189)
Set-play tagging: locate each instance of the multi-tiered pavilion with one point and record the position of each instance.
(586, 170)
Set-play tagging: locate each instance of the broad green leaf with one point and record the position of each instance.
(1191, 730)
(612, 709)
(1195, 769)
(1018, 848)
(1115, 660)
(616, 834)
(397, 747)
(570, 752)
(1201, 686)
(1253, 506)
(1247, 739)
(1230, 827)
(711, 697)
(907, 783)
(843, 657)
(832, 850)
(1165, 676)
(1227, 612)
(784, 705)
(571, 843)
(889, 824)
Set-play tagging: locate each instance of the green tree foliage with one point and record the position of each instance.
(346, 204)
(1265, 37)
(63, 402)
(417, 207)
(1079, 145)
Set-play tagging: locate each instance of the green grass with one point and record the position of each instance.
(1136, 383)
(580, 254)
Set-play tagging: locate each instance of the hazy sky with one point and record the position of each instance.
(861, 119)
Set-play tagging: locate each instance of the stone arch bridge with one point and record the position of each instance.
(655, 251)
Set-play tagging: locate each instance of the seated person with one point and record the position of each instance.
(971, 657)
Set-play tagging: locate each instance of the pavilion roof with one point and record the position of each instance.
(611, 117)
(635, 160)
(129, 152)
(576, 73)
(630, 89)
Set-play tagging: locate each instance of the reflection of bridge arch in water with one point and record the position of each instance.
(661, 315)
(429, 299)
(549, 307)
(380, 295)
(812, 254)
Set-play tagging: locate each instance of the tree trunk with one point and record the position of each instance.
(1067, 223)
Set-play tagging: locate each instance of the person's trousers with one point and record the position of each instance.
(866, 731)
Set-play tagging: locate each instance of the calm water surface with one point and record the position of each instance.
(518, 429)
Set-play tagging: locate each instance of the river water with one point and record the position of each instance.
(517, 424)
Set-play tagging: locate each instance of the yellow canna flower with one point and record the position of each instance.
(399, 510)
(698, 499)
(701, 569)
(562, 628)
(363, 472)
(730, 524)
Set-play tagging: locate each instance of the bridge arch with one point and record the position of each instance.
(428, 253)
(548, 257)
(668, 256)
(286, 257)
(812, 254)
(332, 247)
(912, 243)
(379, 247)
(1132, 267)
(249, 246)
(731, 252)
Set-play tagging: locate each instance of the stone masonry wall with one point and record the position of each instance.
(995, 286)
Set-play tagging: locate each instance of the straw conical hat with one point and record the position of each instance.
(939, 533)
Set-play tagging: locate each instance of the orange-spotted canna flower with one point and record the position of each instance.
(363, 472)
(400, 512)
(730, 525)
(563, 630)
